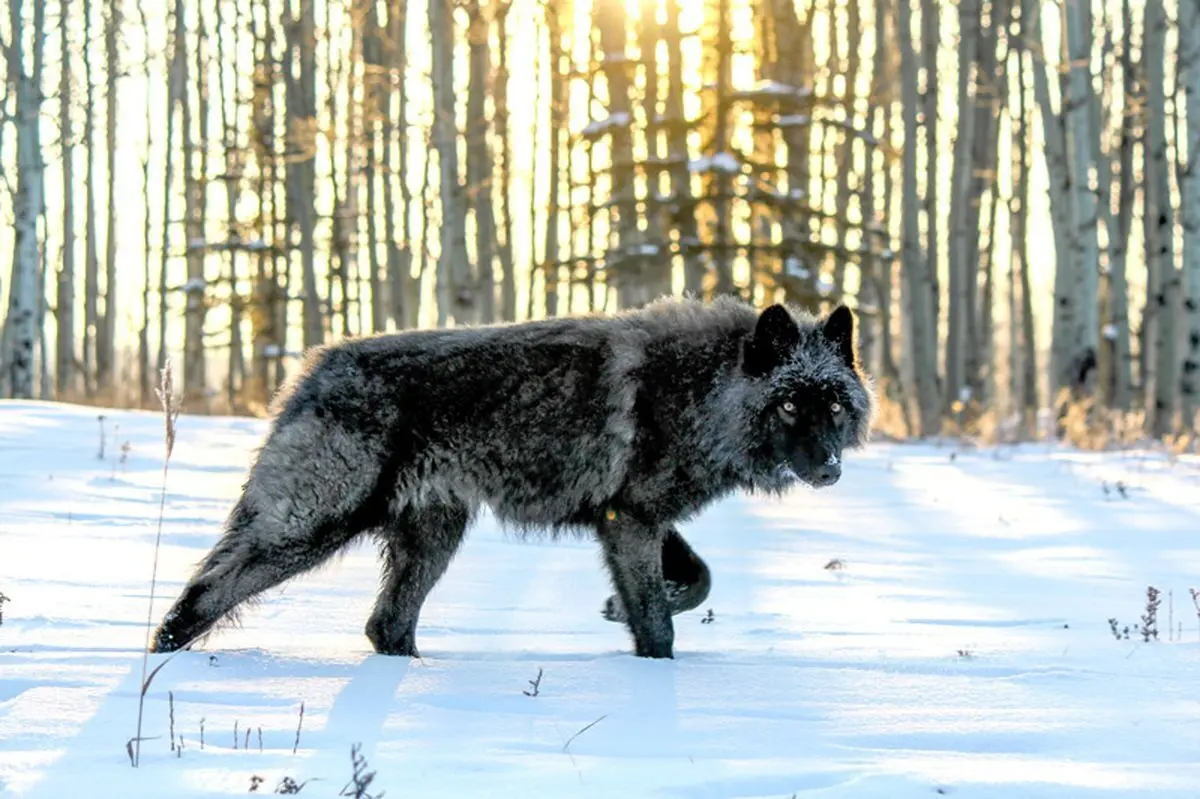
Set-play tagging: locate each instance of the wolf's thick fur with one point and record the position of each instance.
(623, 425)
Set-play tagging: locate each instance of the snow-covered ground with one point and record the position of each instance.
(963, 648)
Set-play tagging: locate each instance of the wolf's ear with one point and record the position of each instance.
(839, 330)
(775, 336)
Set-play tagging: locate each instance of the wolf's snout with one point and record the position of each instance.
(826, 475)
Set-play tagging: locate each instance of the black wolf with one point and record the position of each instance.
(622, 426)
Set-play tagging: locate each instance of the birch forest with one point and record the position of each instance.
(1006, 191)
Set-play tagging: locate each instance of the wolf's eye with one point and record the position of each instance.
(789, 407)
(835, 408)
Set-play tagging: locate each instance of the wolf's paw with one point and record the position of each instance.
(614, 608)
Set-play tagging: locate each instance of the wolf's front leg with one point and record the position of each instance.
(685, 577)
(633, 551)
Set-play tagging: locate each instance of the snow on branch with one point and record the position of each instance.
(598, 127)
(720, 162)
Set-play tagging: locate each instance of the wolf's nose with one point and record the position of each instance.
(827, 475)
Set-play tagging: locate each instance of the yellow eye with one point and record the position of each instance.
(835, 408)
(789, 407)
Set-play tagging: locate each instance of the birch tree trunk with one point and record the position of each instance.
(405, 290)
(21, 320)
(1102, 150)
(144, 372)
(871, 294)
(106, 340)
(376, 96)
(1061, 213)
(194, 367)
(1077, 369)
(1163, 280)
(918, 283)
(508, 277)
(1189, 68)
(301, 148)
(536, 264)
(458, 298)
(723, 182)
(987, 108)
(64, 369)
(960, 192)
(91, 276)
(1121, 389)
(1027, 397)
(682, 207)
(479, 159)
(930, 37)
(176, 85)
(623, 261)
(227, 102)
(558, 95)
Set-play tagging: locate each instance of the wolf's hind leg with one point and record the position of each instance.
(417, 549)
(633, 552)
(251, 557)
(311, 490)
(685, 576)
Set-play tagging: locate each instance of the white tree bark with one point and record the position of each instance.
(21, 321)
(1061, 214)
(1163, 279)
(960, 186)
(106, 338)
(918, 282)
(480, 188)
(65, 303)
(457, 289)
(1189, 67)
(1077, 369)
(1121, 389)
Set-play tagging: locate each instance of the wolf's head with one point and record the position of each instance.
(810, 401)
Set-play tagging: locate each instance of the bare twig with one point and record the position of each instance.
(582, 731)
(1196, 601)
(299, 724)
(170, 414)
(100, 454)
(361, 779)
(288, 785)
(534, 684)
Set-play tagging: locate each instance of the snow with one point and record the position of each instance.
(935, 624)
(778, 89)
(795, 267)
(794, 120)
(598, 126)
(720, 162)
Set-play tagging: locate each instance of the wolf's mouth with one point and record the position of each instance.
(785, 471)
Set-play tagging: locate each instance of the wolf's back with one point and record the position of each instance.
(537, 420)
